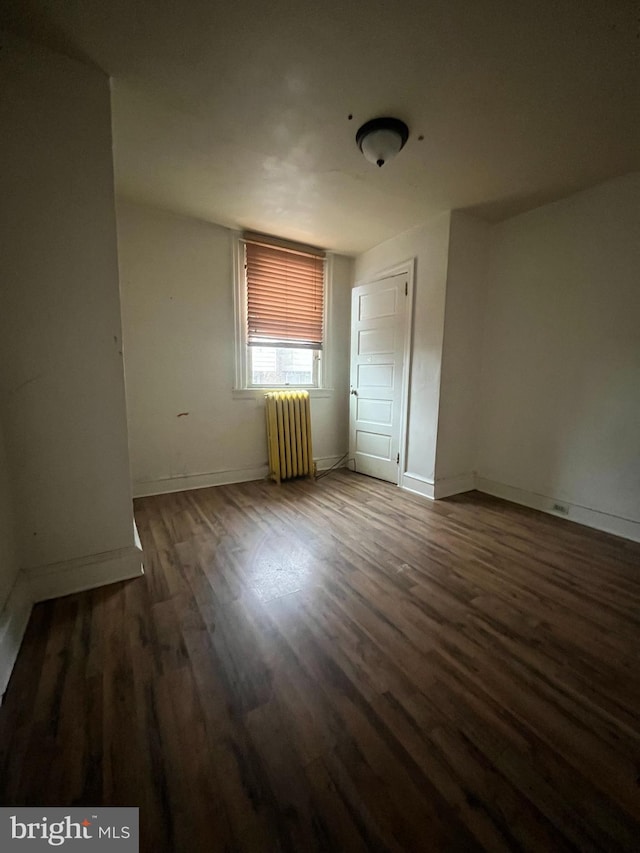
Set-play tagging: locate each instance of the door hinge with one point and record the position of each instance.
(398, 459)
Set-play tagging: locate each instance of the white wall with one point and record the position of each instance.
(561, 373)
(186, 426)
(61, 375)
(429, 244)
(461, 354)
(526, 355)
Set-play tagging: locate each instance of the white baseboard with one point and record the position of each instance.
(13, 623)
(323, 463)
(167, 485)
(448, 486)
(57, 579)
(624, 527)
(52, 581)
(418, 485)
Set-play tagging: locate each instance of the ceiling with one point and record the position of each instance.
(237, 112)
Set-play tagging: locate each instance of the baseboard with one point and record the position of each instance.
(323, 463)
(448, 486)
(57, 579)
(624, 527)
(53, 581)
(167, 485)
(418, 485)
(13, 623)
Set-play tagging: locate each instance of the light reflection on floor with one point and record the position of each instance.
(275, 568)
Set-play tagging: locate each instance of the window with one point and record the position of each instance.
(280, 307)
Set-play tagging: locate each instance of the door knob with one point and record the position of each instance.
(354, 392)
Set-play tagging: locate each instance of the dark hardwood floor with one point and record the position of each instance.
(341, 666)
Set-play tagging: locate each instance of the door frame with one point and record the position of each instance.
(403, 268)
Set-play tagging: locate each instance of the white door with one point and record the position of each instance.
(378, 321)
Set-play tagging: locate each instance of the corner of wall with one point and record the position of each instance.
(58, 579)
(463, 331)
(560, 406)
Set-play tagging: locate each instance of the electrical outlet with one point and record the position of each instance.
(563, 508)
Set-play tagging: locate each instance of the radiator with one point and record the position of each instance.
(289, 435)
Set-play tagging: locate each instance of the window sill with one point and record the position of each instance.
(257, 393)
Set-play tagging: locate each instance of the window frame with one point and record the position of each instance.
(242, 360)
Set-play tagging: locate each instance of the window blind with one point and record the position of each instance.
(285, 295)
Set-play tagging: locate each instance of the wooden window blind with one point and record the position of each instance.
(285, 295)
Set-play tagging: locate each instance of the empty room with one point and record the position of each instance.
(320, 426)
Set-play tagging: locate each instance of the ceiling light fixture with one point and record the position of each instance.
(381, 139)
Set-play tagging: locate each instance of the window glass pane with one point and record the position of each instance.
(281, 366)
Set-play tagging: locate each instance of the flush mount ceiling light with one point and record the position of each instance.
(381, 138)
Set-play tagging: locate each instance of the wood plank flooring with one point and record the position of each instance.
(343, 666)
